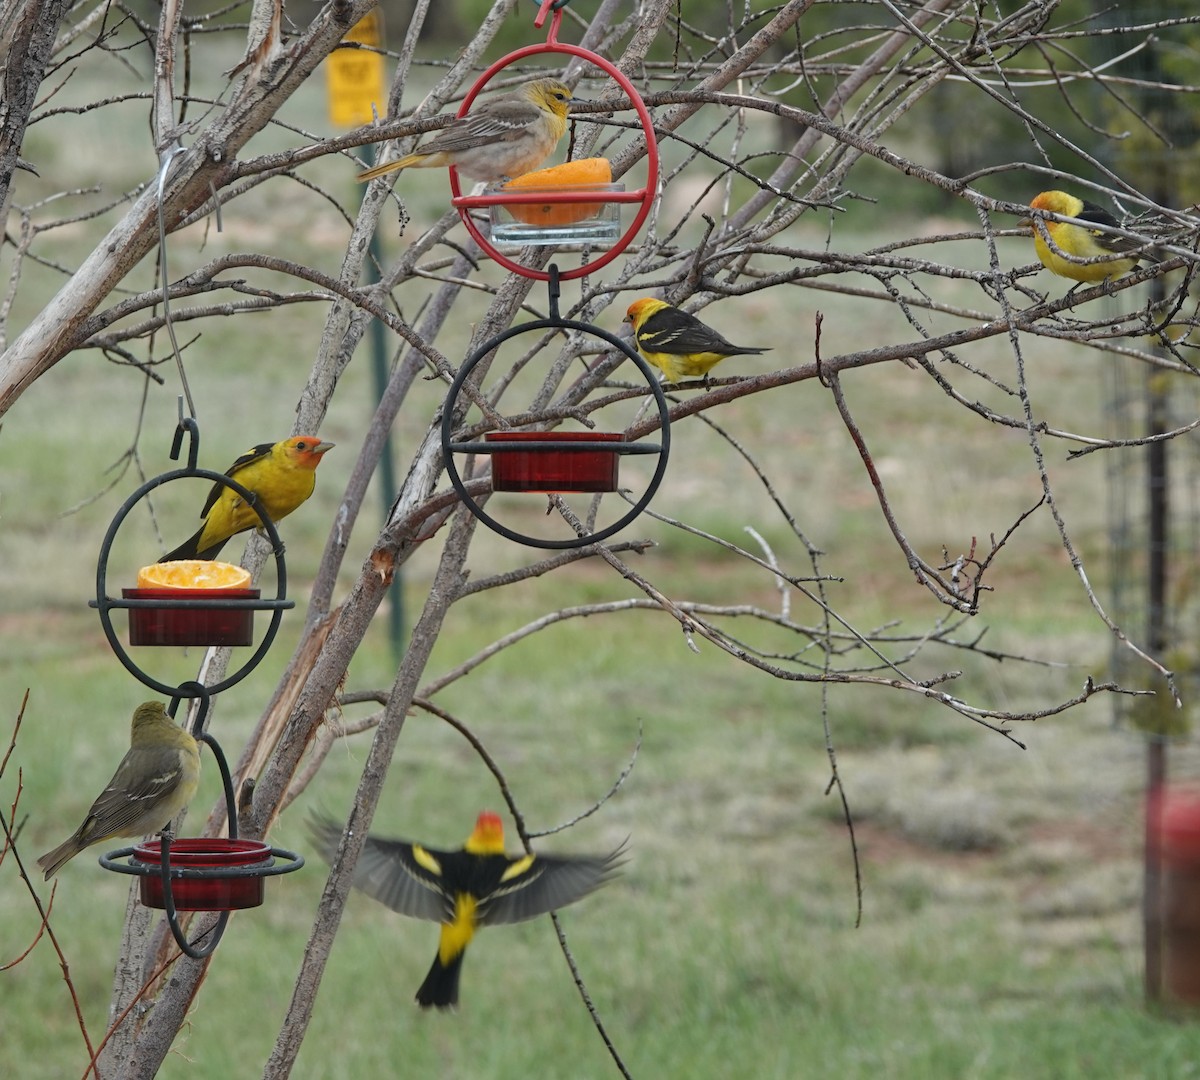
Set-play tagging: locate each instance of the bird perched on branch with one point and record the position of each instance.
(464, 890)
(503, 138)
(281, 476)
(1082, 242)
(678, 344)
(155, 780)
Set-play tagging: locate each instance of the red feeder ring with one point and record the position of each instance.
(207, 873)
(463, 203)
(193, 622)
(554, 461)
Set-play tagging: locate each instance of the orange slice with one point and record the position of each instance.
(585, 173)
(193, 574)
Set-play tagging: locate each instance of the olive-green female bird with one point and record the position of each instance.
(1081, 242)
(281, 475)
(676, 343)
(464, 890)
(156, 779)
(505, 137)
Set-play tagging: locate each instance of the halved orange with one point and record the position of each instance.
(193, 574)
(584, 173)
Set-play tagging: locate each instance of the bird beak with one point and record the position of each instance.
(321, 447)
(575, 101)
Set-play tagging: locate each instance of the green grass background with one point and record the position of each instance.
(1000, 934)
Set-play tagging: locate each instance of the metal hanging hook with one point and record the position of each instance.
(164, 167)
(553, 8)
(190, 426)
(189, 691)
(200, 694)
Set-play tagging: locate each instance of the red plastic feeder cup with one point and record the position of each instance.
(554, 461)
(207, 873)
(1179, 848)
(192, 602)
(188, 620)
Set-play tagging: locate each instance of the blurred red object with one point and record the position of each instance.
(1176, 835)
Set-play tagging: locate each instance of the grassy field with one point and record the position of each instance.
(1000, 934)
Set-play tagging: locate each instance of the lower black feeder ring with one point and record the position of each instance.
(207, 873)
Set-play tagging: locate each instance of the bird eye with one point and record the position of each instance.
(301, 445)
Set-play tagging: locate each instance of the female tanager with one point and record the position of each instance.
(156, 779)
(1081, 242)
(281, 475)
(677, 343)
(503, 138)
(464, 890)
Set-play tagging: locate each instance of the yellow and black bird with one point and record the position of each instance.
(505, 137)
(1119, 254)
(281, 476)
(676, 343)
(156, 779)
(465, 890)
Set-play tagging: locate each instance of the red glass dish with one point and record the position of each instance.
(211, 892)
(550, 470)
(192, 623)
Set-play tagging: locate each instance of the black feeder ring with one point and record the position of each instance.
(279, 861)
(449, 447)
(105, 603)
(224, 888)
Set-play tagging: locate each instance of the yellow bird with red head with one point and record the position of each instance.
(676, 343)
(465, 890)
(279, 475)
(1114, 255)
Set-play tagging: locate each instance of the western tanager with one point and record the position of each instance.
(1081, 242)
(464, 890)
(503, 138)
(677, 343)
(281, 475)
(156, 779)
